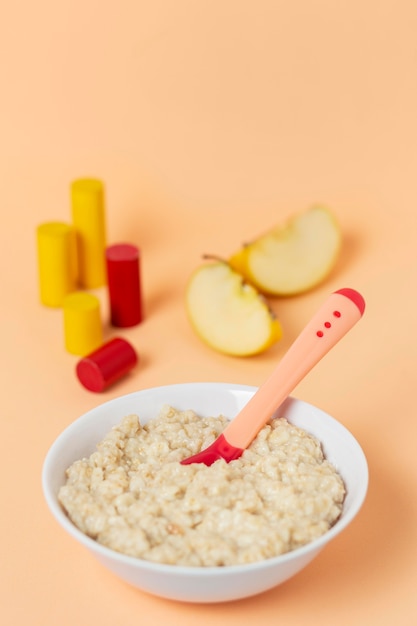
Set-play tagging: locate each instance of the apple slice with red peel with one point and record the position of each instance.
(294, 257)
(228, 314)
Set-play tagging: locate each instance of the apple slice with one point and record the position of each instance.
(228, 314)
(294, 257)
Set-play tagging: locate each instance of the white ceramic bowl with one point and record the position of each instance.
(211, 584)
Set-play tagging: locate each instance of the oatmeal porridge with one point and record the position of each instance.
(133, 495)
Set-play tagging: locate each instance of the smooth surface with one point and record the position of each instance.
(83, 324)
(123, 284)
(209, 122)
(106, 365)
(88, 212)
(212, 584)
(57, 266)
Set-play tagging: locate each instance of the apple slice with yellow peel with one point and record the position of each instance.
(294, 257)
(228, 314)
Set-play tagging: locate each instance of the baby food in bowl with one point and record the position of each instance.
(196, 533)
(133, 496)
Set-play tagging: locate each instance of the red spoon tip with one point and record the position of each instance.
(354, 296)
(219, 449)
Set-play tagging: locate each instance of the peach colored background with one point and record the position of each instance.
(209, 122)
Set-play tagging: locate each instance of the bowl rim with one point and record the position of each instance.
(106, 553)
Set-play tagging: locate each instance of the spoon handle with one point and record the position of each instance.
(338, 314)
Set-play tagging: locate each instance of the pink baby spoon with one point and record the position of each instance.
(335, 317)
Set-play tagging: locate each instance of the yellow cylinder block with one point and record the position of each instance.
(82, 323)
(88, 216)
(57, 262)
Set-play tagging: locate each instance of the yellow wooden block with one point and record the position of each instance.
(57, 262)
(88, 216)
(82, 323)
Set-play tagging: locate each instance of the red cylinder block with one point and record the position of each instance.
(124, 284)
(106, 365)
